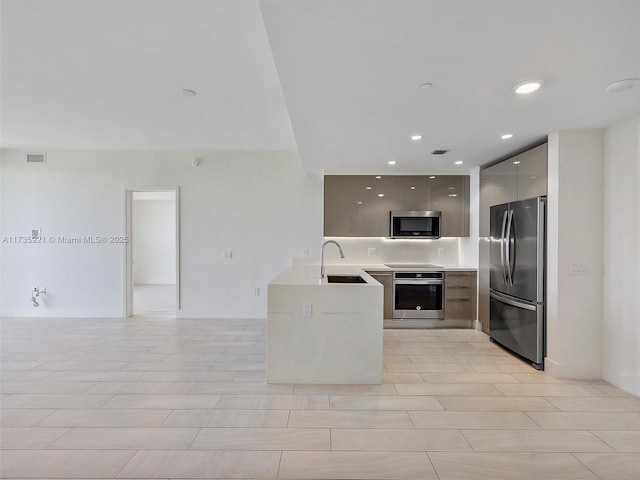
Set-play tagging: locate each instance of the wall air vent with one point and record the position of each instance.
(439, 152)
(36, 158)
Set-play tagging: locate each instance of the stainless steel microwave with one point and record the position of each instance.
(414, 224)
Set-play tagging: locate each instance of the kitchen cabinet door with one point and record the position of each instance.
(484, 274)
(460, 296)
(498, 184)
(372, 204)
(450, 195)
(340, 206)
(386, 279)
(402, 192)
(532, 173)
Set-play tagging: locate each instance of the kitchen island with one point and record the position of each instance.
(324, 333)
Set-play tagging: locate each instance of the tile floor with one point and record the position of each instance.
(184, 399)
(157, 301)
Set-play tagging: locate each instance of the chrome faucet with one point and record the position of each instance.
(322, 255)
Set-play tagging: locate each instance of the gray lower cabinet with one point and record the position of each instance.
(460, 295)
(386, 279)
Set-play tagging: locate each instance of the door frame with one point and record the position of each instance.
(127, 254)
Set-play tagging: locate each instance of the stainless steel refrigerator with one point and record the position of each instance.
(517, 279)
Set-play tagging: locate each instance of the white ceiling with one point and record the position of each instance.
(108, 74)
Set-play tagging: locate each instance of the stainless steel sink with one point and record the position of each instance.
(345, 279)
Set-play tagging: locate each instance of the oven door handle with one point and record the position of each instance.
(419, 282)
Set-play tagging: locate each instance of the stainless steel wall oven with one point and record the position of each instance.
(418, 295)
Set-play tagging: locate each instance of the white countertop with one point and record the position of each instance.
(310, 274)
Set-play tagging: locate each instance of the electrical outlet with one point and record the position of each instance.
(440, 251)
(371, 252)
(305, 252)
(228, 254)
(306, 309)
(256, 292)
(579, 269)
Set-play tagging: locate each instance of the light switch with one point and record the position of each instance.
(256, 292)
(371, 252)
(306, 309)
(228, 254)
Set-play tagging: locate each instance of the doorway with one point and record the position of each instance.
(152, 286)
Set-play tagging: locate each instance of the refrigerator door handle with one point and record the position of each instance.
(508, 256)
(502, 245)
(510, 301)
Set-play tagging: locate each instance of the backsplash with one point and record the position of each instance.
(444, 251)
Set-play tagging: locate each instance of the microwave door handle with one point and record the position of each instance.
(502, 245)
(509, 255)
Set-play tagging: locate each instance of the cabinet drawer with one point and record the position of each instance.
(457, 280)
(458, 309)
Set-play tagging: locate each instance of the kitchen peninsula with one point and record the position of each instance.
(322, 332)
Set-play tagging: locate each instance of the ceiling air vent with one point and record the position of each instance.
(439, 152)
(36, 158)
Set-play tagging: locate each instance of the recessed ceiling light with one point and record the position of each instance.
(368, 188)
(516, 162)
(432, 176)
(188, 92)
(415, 138)
(425, 86)
(378, 177)
(507, 136)
(527, 87)
(391, 162)
(452, 188)
(381, 194)
(622, 85)
(459, 162)
(413, 188)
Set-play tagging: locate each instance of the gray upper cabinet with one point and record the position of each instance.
(340, 206)
(517, 178)
(498, 184)
(450, 195)
(402, 192)
(359, 205)
(532, 173)
(372, 204)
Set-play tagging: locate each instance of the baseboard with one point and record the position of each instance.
(625, 380)
(568, 371)
(42, 313)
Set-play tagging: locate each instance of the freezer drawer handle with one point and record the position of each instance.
(513, 303)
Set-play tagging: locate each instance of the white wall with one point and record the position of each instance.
(621, 312)
(154, 239)
(356, 250)
(574, 235)
(259, 205)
